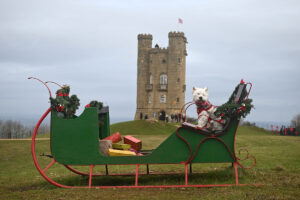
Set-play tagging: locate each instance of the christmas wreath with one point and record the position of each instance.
(238, 109)
(63, 103)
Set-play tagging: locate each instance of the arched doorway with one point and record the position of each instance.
(162, 115)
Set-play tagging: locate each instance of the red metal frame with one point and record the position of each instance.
(127, 174)
(91, 173)
(54, 83)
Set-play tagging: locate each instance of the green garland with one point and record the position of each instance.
(232, 109)
(63, 103)
(96, 104)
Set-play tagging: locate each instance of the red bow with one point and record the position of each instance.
(61, 94)
(59, 108)
(241, 108)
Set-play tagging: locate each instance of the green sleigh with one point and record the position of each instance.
(75, 142)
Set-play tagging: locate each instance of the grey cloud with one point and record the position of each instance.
(92, 45)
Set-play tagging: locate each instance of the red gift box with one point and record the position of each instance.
(116, 137)
(136, 144)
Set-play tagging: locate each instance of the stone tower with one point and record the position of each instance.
(160, 77)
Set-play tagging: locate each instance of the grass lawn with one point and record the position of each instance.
(278, 168)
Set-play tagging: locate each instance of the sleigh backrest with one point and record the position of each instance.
(240, 95)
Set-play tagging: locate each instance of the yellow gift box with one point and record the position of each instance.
(114, 152)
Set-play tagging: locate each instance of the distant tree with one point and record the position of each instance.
(295, 122)
(247, 123)
(13, 129)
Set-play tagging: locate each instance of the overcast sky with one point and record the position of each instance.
(92, 46)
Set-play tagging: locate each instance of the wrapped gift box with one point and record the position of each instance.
(136, 144)
(114, 152)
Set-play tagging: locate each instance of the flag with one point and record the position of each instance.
(180, 21)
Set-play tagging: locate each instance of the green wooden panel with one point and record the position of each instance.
(73, 139)
(76, 142)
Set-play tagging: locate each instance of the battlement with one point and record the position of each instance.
(176, 34)
(145, 36)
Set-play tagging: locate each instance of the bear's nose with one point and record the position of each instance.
(200, 98)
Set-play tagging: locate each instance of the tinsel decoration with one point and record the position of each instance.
(64, 104)
(235, 109)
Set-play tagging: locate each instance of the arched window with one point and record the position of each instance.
(150, 78)
(163, 79)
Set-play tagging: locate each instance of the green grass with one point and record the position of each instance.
(278, 168)
(143, 127)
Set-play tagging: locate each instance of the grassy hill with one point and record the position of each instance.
(143, 127)
(278, 168)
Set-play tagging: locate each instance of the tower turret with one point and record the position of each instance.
(176, 69)
(144, 45)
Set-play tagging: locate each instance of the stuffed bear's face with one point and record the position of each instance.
(200, 94)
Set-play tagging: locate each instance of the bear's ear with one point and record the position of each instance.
(206, 89)
(194, 89)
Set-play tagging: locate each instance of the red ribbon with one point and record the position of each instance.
(242, 82)
(241, 108)
(59, 108)
(88, 105)
(61, 94)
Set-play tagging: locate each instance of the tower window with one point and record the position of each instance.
(177, 100)
(149, 99)
(164, 61)
(179, 60)
(163, 99)
(163, 79)
(178, 80)
(150, 79)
